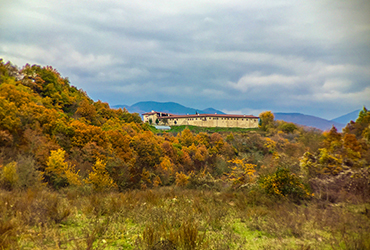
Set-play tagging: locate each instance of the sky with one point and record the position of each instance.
(238, 56)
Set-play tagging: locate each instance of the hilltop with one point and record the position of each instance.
(167, 107)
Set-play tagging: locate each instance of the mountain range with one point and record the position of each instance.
(167, 107)
(301, 119)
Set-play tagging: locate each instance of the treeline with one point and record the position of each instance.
(53, 134)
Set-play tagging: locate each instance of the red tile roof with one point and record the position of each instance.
(209, 115)
(199, 115)
(155, 112)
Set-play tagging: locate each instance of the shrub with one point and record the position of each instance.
(181, 179)
(27, 171)
(242, 173)
(203, 180)
(283, 183)
(9, 176)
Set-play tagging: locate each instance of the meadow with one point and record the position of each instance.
(177, 218)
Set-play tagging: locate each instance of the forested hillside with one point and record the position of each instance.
(54, 137)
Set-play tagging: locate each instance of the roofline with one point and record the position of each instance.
(209, 115)
(154, 112)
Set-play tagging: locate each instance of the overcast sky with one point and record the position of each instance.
(239, 56)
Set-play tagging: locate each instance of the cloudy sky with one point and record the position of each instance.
(239, 56)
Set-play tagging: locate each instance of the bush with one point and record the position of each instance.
(27, 171)
(181, 179)
(242, 173)
(283, 183)
(9, 176)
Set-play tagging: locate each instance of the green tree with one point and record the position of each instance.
(288, 127)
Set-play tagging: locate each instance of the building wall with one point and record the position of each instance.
(214, 122)
(146, 118)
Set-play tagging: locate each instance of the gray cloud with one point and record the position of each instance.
(238, 56)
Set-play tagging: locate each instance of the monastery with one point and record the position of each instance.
(202, 120)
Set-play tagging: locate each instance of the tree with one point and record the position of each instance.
(186, 138)
(266, 120)
(333, 140)
(59, 172)
(87, 111)
(288, 127)
(99, 177)
(147, 149)
(9, 119)
(9, 176)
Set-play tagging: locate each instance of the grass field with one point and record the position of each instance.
(175, 218)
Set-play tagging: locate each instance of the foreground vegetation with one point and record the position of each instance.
(169, 217)
(76, 174)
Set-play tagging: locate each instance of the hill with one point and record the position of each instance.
(344, 119)
(308, 120)
(168, 107)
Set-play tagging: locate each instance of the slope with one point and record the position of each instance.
(308, 120)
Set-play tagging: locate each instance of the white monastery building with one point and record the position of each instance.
(202, 120)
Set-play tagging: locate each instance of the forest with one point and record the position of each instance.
(77, 174)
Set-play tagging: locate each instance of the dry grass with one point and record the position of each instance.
(175, 218)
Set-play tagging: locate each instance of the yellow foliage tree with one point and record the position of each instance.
(9, 176)
(166, 165)
(241, 173)
(270, 145)
(59, 172)
(157, 181)
(186, 138)
(99, 177)
(266, 120)
(181, 179)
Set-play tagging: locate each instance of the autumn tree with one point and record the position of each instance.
(241, 172)
(59, 172)
(186, 138)
(9, 176)
(99, 177)
(266, 120)
(87, 110)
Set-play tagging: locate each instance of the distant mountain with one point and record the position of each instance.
(120, 106)
(348, 117)
(168, 107)
(301, 119)
(309, 120)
